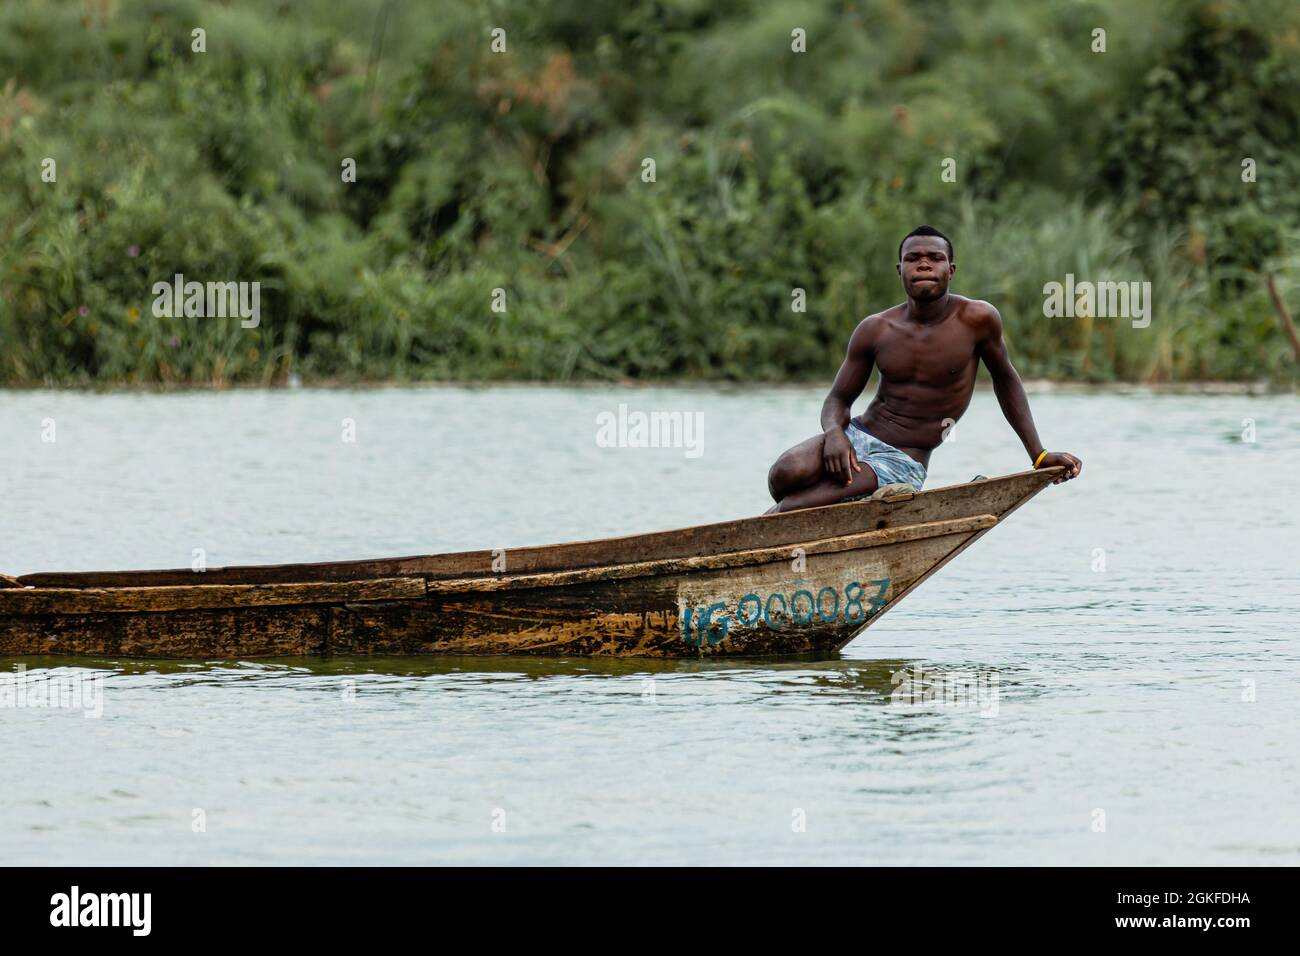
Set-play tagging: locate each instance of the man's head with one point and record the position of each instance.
(925, 263)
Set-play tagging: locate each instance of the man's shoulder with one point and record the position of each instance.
(877, 322)
(979, 314)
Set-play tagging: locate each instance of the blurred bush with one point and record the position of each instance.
(522, 171)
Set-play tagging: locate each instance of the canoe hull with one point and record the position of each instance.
(805, 597)
(809, 604)
(812, 604)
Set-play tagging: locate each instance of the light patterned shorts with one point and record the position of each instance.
(889, 464)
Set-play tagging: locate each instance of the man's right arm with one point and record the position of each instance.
(838, 459)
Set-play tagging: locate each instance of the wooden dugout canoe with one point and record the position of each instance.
(803, 582)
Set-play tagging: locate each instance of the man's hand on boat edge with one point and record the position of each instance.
(1071, 464)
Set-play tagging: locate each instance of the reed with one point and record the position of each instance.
(523, 171)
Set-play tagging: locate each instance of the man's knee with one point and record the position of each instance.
(784, 475)
(776, 479)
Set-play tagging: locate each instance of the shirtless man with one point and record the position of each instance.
(927, 349)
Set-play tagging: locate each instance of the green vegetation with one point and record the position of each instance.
(522, 170)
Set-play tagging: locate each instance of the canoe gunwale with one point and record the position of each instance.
(784, 529)
(136, 600)
(863, 540)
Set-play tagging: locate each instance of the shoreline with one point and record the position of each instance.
(1033, 385)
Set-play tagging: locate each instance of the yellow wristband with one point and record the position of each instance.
(1041, 456)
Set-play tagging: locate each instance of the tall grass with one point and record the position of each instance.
(523, 172)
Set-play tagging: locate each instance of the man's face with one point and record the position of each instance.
(926, 269)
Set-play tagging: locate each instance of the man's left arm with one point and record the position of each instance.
(992, 350)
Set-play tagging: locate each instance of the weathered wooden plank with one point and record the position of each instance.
(202, 634)
(990, 496)
(134, 600)
(782, 607)
(862, 540)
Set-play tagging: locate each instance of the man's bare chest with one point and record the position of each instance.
(941, 356)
